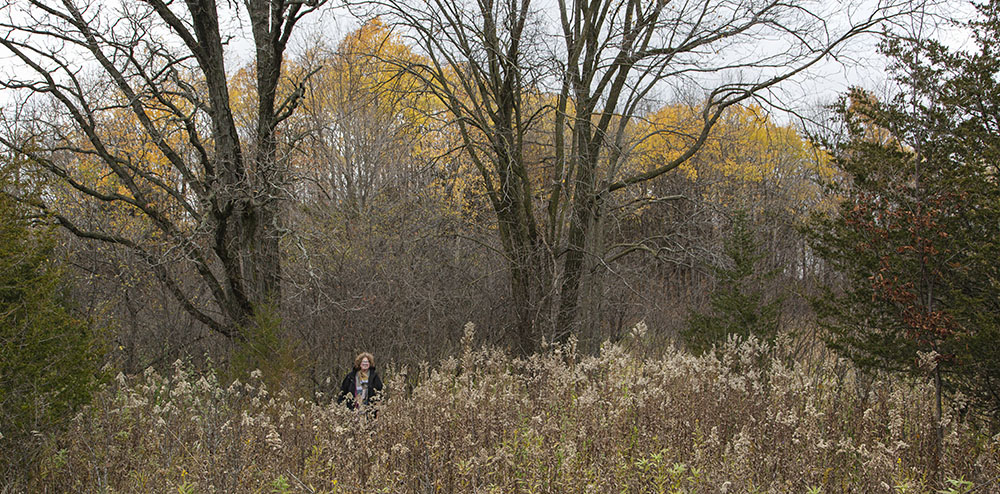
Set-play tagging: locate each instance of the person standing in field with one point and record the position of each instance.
(362, 384)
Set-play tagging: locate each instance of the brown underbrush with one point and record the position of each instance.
(741, 419)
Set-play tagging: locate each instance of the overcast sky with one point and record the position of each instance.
(858, 65)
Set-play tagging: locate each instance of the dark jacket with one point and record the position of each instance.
(347, 389)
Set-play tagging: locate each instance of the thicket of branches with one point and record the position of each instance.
(380, 192)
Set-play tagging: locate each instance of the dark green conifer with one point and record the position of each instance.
(49, 357)
(737, 303)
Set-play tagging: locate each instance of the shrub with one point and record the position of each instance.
(265, 349)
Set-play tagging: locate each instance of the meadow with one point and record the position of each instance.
(634, 418)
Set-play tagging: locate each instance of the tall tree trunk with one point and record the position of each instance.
(585, 211)
(265, 255)
(530, 272)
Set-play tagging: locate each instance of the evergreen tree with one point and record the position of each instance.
(737, 303)
(48, 357)
(916, 234)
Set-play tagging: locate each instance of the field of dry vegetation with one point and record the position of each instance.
(629, 419)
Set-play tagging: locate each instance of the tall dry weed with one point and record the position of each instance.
(741, 419)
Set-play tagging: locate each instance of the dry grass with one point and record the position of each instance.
(740, 420)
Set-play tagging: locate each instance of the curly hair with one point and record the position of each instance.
(361, 356)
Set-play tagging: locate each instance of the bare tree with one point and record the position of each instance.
(491, 62)
(144, 127)
(479, 65)
(358, 141)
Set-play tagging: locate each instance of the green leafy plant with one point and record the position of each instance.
(913, 235)
(280, 485)
(958, 486)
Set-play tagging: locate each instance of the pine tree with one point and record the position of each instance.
(737, 304)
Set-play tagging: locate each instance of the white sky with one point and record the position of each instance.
(861, 65)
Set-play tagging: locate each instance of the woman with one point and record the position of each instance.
(362, 384)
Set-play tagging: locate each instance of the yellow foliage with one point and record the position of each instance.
(366, 121)
(860, 104)
(144, 171)
(745, 151)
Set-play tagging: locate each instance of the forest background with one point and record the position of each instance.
(555, 175)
